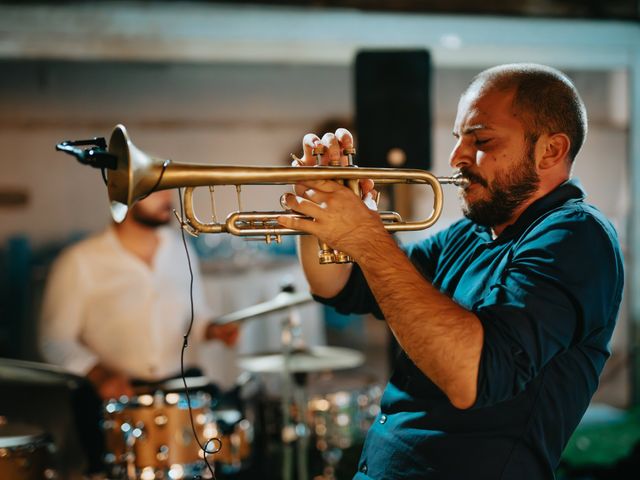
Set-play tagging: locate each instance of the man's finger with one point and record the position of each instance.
(309, 142)
(299, 224)
(366, 185)
(316, 196)
(345, 140)
(302, 205)
(327, 186)
(333, 153)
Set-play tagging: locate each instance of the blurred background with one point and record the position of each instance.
(240, 83)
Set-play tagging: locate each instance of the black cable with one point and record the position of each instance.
(165, 164)
(215, 441)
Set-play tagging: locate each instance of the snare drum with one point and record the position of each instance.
(152, 435)
(24, 453)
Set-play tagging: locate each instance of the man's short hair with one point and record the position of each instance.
(545, 99)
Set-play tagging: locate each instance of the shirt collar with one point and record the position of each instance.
(569, 190)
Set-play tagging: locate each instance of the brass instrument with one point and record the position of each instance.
(131, 174)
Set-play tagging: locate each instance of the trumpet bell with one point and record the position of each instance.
(135, 174)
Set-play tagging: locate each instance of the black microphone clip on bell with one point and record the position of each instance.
(95, 156)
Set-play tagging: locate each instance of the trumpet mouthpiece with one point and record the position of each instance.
(457, 179)
(460, 180)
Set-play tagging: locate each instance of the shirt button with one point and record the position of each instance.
(383, 419)
(363, 468)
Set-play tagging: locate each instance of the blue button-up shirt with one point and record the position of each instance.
(547, 291)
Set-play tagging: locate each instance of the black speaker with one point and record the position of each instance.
(393, 108)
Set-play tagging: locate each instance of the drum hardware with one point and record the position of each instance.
(294, 430)
(237, 437)
(294, 362)
(131, 174)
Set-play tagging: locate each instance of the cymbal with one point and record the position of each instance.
(312, 359)
(280, 302)
(177, 384)
(34, 373)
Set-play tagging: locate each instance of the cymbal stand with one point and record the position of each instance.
(293, 429)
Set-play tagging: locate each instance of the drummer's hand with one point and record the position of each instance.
(110, 384)
(334, 144)
(228, 334)
(115, 387)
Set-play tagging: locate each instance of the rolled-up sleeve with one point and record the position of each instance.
(561, 287)
(356, 296)
(61, 318)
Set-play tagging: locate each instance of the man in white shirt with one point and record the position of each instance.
(117, 304)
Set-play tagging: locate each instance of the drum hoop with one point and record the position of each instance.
(18, 442)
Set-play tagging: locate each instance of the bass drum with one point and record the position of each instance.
(25, 453)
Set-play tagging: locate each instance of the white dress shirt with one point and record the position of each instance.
(103, 304)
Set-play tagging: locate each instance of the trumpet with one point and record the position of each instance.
(131, 174)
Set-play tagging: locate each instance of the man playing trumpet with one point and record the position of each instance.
(504, 318)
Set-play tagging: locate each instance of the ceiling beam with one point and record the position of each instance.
(196, 32)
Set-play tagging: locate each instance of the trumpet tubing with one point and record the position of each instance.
(264, 223)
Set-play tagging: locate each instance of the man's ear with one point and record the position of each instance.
(551, 150)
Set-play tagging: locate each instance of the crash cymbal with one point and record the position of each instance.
(312, 359)
(279, 302)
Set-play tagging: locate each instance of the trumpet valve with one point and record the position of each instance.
(341, 257)
(317, 152)
(326, 258)
(326, 255)
(349, 153)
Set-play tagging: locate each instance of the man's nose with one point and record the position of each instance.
(462, 155)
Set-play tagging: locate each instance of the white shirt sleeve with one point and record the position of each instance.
(203, 312)
(61, 320)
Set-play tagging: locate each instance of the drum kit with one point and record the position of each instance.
(151, 436)
(171, 432)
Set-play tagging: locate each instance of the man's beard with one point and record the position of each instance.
(506, 193)
(149, 219)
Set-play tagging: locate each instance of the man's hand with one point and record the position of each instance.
(228, 333)
(341, 219)
(110, 384)
(334, 144)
